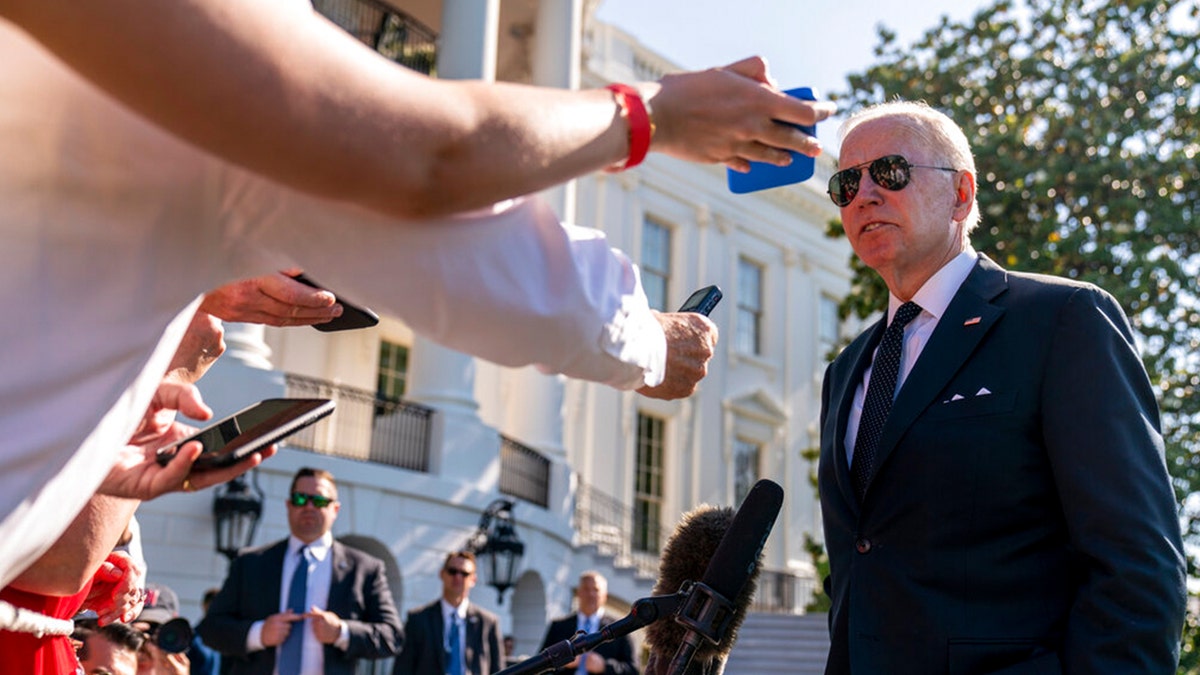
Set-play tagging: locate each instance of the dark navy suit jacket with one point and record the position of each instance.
(618, 654)
(358, 594)
(1020, 519)
(424, 651)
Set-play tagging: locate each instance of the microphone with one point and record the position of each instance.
(713, 543)
(724, 550)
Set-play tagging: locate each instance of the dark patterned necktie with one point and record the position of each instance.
(880, 393)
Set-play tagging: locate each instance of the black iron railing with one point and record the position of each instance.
(364, 426)
(606, 523)
(524, 472)
(781, 592)
(387, 30)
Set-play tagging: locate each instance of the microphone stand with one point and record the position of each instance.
(645, 612)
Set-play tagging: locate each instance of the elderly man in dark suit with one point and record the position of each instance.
(992, 478)
(610, 658)
(451, 636)
(306, 605)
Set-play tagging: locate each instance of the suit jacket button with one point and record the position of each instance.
(863, 545)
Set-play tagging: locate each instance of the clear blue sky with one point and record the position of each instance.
(808, 43)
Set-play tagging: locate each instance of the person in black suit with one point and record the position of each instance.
(1012, 513)
(429, 649)
(349, 613)
(610, 658)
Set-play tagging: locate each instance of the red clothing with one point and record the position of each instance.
(25, 653)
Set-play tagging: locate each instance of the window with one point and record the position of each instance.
(656, 263)
(648, 484)
(829, 327)
(393, 370)
(748, 338)
(745, 468)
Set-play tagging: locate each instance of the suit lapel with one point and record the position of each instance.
(437, 628)
(271, 588)
(969, 317)
(474, 641)
(340, 580)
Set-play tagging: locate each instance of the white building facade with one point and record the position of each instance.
(598, 477)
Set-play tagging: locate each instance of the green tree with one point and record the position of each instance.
(1085, 120)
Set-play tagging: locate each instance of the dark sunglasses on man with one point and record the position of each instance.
(890, 172)
(457, 572)
(299, 499)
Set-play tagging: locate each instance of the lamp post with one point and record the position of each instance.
(237, 508)
(497, 547)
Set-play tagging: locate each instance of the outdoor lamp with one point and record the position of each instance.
(237, 508)
(497, 547)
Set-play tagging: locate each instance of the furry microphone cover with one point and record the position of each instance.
(685, 558)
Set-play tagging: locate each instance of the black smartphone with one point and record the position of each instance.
(702, 301)
(352, 317)
(235, 437)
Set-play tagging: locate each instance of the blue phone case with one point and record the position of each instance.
(763, 176)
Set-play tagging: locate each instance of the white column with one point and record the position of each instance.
(442, 378)
(467, 44)
(244, 374)
(557, 53)
(536, 419)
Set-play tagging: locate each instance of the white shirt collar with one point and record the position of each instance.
(935, 295)
(461, 610)
(319, 547)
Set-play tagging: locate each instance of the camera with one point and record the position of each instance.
(172, 637)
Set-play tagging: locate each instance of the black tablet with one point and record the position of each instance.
(235, 437)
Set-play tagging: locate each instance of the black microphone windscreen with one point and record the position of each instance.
(737, 556)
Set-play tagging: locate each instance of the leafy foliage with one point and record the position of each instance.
(1085, 121)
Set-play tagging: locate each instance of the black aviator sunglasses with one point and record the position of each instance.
(890, 172)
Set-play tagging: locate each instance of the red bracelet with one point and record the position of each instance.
(641, 128)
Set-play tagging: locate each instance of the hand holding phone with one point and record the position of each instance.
(228, 441)
(702, 301)
(762, 176)
(352, 317)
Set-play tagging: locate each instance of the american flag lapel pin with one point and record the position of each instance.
(972, 321)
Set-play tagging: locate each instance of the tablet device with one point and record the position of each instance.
(242, 433)
(352, 317)
(763, 176)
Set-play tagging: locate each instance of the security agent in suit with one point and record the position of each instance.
(610, 658)
(350, 612)
(1017, 517)
(428, 650)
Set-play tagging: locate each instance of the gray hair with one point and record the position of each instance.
(932, 127)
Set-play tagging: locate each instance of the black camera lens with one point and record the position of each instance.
(173, 636)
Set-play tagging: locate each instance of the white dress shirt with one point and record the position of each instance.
(320, 578)
(452, 613)
(111, 224)
(933, 297)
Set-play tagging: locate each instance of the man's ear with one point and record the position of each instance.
(964, 194)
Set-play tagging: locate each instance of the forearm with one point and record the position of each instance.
(272, 87)
(76, 555)
(514, 287)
